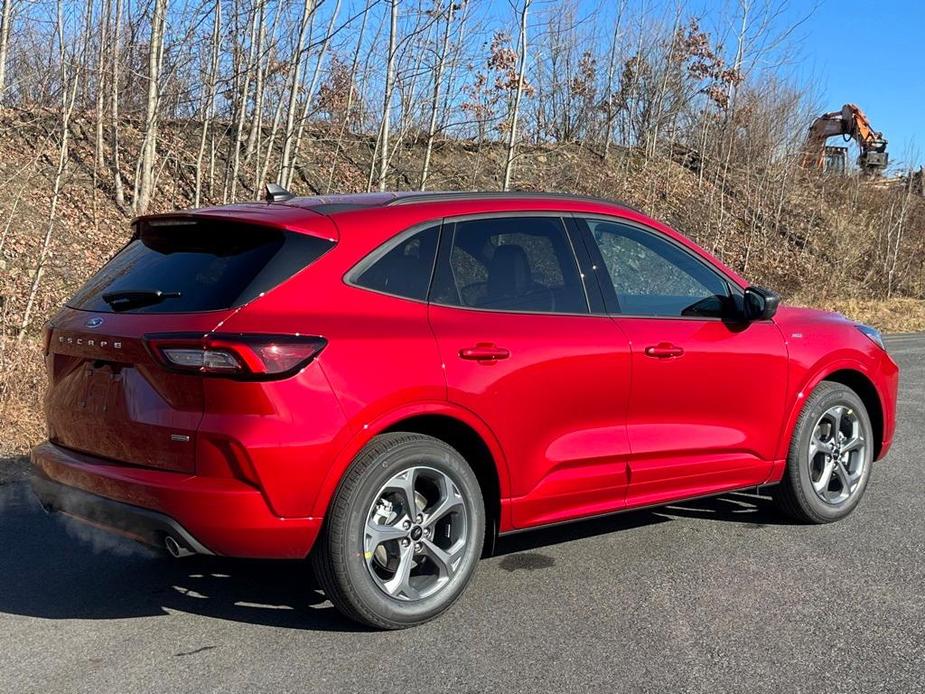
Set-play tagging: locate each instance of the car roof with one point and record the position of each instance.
(288, 212)
(332, 204)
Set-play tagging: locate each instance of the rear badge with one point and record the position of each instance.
(94, 322)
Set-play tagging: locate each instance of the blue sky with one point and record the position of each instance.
(872, 54)
(867, 52)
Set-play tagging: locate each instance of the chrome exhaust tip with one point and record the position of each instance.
(175, 549)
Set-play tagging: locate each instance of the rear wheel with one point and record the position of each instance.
(404, 533)
(830, 457)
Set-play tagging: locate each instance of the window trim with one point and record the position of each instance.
(350, 277)
(588, 239)
(565, 219)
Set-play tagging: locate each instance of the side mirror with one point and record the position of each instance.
(760, 303)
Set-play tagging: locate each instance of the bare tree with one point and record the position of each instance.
(114, 104)
(308, 11)
(70, 81)
(435, 97)
(207, 108)
(6, 18)
(387, 99)
(310, 93)
(518, 95)
(144, 183)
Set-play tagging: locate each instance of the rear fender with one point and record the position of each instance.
(366, 432)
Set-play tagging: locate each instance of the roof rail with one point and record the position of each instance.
(412, 198)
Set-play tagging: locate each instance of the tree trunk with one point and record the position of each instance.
(611, 69)
(100, 83)
(70, 82)
(309, 95)
(307, 11)
(6, 16)
(435, 99)
(149, 148)
(114, 105)
(208, 106)
(253, 136)
(242, 106)
(348, 109)
(518, 94)
(387, 101)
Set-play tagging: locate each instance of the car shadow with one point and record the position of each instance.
(752, 509)
(55, 568)
(747, 508)
(59, 569)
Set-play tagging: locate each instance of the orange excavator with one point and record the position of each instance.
(851, 123)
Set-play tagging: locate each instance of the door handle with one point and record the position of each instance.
(664, 350)
(484, 351)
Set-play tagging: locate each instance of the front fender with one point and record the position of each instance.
(804, 384)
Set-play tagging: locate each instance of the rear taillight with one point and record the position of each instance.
(247, 356)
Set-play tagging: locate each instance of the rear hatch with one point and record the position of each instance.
(110, 395)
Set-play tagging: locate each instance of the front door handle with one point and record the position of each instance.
(484, 351)
(664, 350)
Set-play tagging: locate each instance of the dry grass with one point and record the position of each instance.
(887, 315)
(22, 386)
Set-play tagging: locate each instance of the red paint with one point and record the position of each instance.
(582, 414)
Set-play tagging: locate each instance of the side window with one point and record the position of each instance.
(405, 269)
(510, 264)
(653, 277)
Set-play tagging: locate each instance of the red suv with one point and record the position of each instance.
(386, 382)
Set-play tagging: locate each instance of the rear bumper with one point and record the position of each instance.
(208, 515)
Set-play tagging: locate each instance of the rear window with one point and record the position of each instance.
(187, 266)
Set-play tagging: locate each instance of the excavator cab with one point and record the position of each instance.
(851, 123)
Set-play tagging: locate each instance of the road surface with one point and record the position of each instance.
(717, 595)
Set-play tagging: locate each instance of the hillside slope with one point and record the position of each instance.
(834, 242)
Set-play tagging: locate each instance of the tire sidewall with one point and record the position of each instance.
(383, 468)
(819, 402)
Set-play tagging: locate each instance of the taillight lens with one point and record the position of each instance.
(253, 356)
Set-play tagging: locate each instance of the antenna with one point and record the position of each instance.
(276, 193)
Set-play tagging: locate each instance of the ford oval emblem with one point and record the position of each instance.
(94, 322)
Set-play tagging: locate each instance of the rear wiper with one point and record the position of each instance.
(135, 298)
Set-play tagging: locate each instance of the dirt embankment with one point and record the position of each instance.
(834, 243)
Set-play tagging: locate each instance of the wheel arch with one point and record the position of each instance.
(465, 439)
(456, 427)
(867, 391)
(849, 374)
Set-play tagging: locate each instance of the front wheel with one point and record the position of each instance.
(829, 463)
(404, 533)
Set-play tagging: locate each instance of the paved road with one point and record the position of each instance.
(720, 595)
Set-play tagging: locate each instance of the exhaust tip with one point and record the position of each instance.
(175, 549)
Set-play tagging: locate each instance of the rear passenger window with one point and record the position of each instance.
(405, 269)
(510, 264)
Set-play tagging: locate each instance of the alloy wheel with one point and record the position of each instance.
(416, 533)
(838, 455)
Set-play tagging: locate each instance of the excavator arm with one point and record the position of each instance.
(851, 122)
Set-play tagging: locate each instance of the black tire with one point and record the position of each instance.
(338, 558)
(795, 495)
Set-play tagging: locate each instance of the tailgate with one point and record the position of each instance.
(109, 397)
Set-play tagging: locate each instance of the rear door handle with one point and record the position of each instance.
(664, 350)
(484, 351)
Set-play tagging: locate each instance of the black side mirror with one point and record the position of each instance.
(760, 303)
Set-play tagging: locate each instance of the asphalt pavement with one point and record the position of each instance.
(715, 596)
